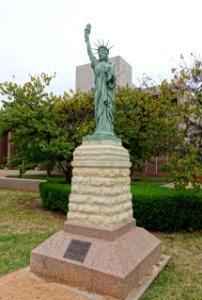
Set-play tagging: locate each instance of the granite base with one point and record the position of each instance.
(111, 267)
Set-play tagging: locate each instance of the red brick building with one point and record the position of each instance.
(5, 148)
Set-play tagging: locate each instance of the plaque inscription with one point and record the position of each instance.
(77, 250)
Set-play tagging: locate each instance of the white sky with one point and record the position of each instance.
(48, 36)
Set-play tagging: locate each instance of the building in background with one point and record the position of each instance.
(85, 75)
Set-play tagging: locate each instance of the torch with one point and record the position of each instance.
(87, 31)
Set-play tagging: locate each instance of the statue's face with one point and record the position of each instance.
(103, 54)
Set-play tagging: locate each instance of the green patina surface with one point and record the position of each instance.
(105, 82)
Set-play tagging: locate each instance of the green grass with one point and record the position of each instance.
(148, 188)
(15, 249)
(151, 181)
(182, 278)
(24, 224)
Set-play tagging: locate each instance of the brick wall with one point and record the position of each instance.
(3, 148)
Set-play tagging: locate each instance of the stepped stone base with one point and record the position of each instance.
(112, 266)
(100, 249)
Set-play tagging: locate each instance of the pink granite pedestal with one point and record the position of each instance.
(116, 261)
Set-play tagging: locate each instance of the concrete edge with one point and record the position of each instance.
(20, 184)
(148, 279)
(22, 179)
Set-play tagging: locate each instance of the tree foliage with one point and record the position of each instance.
(47, 128)
(186, 85)
(29, 114)
(75, 118)
(145, 122)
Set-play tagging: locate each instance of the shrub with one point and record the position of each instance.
(163, 209)
(154, 208)
(55, 196)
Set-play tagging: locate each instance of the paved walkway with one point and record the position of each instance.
(19, 184)
(4, 172)
(23, 285)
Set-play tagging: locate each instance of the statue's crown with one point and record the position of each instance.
(102, 46)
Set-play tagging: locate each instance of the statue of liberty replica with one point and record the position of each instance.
(100, 248)
(105, 83)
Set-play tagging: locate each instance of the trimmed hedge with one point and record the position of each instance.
(154, 208)
(55, 196)
(164, 209)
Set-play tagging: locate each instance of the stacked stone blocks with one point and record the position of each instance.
(101, 185)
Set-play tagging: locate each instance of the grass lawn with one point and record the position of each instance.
(24, 224)
(151, 181)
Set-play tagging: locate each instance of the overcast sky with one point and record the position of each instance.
(48, 36)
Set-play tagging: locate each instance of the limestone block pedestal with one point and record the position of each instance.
(100, 248)
(100, 192)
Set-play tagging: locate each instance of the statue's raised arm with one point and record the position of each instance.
(88, 45)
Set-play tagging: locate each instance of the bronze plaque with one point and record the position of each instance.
(77, 250)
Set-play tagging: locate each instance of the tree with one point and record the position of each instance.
(140, 121)
(29, 114)
(145, 122)
(186, 159)
(47, 128)
(75, 118)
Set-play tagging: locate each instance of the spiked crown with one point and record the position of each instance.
(102, 46)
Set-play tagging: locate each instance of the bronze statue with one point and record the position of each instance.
(105, 82)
